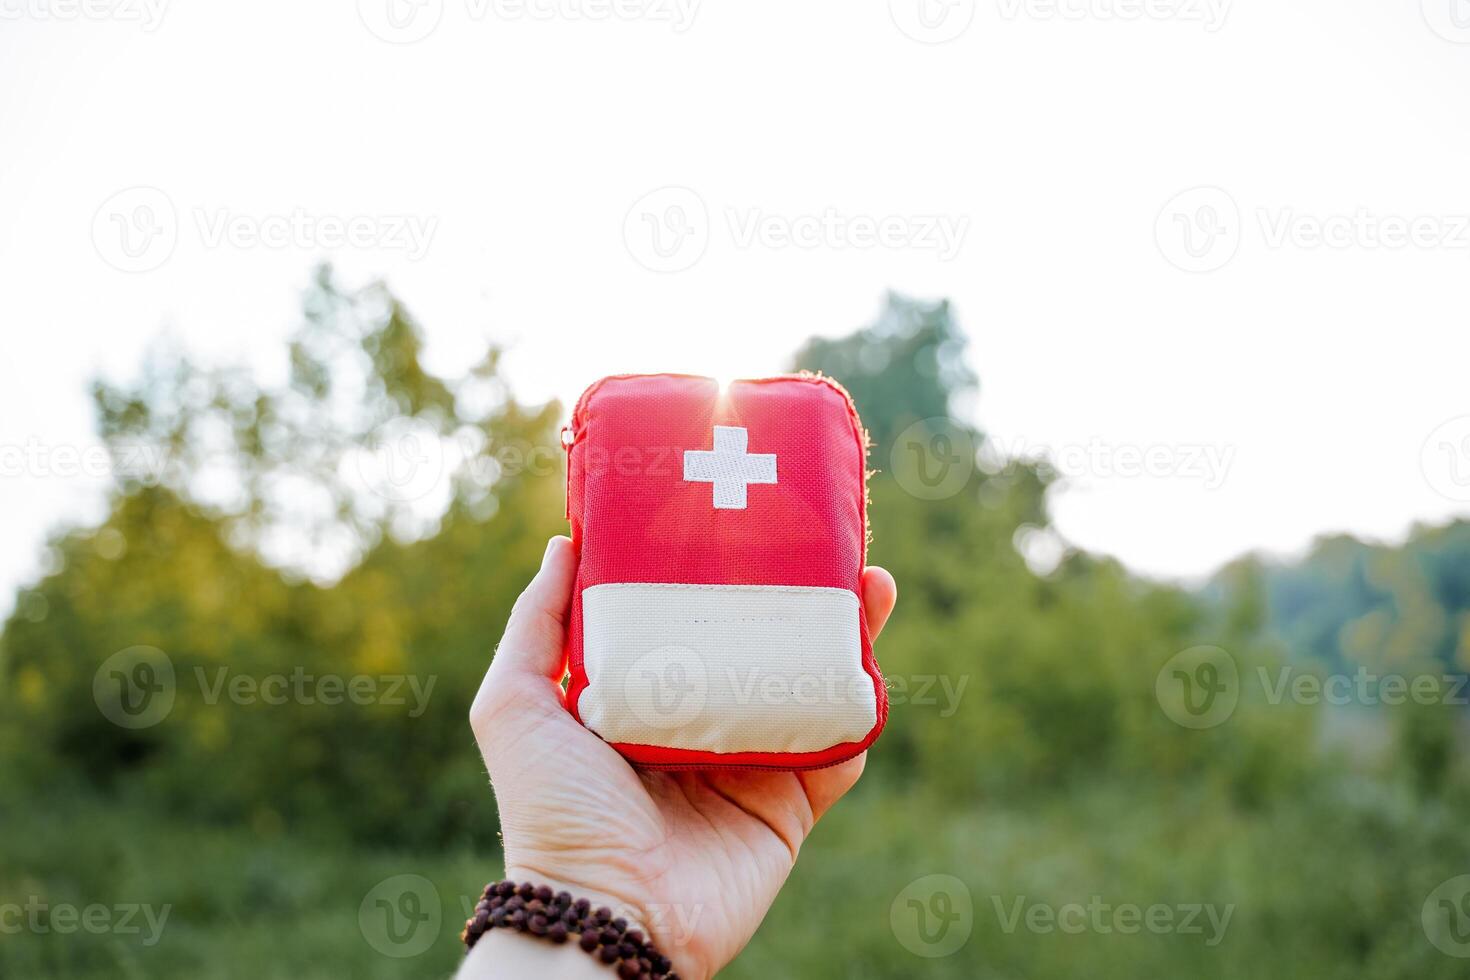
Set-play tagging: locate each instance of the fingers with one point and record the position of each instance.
(880, 593)
(826, 786)
(532, 649)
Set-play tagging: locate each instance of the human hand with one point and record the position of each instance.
(693, 858)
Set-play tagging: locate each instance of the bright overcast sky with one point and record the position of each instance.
(1222, 242)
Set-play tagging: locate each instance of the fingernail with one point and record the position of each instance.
(551, 544)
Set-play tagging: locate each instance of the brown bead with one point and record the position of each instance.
(558, 916)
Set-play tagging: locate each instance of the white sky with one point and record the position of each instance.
(1054, 149)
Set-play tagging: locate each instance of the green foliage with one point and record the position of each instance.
(1026, 754)
(182, 568)
(1350, 603)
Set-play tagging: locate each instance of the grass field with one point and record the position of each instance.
(1330, 886)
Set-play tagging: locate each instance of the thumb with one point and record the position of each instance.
(534, 636)
(530, 660)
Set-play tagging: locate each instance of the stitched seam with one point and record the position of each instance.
(686, 586)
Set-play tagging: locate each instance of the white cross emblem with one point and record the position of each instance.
(730, 468)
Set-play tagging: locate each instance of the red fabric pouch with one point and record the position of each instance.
(717, 619)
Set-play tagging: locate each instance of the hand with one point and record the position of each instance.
(694, 858)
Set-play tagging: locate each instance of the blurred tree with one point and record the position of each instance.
(1349, 603)
(1004, 679)
(435, 497)
(365, 518)
(907, 366)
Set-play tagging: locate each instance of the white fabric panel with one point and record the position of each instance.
(725, 668)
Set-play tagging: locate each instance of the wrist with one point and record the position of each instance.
(622, 912)
(632, 910)
(508, 953)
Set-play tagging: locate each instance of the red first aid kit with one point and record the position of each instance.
(717, 619)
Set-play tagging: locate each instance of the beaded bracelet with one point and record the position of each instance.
(538, 911)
